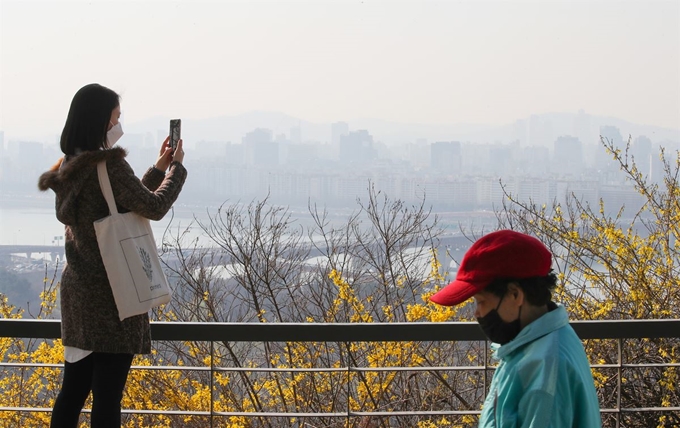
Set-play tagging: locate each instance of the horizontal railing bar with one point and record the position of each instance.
(281, 369)
(271, 332)
(330, 370)
(35, 365)
(61, 366)
(353, 369)
(627, 329)
(641, 410)
(283, 414)
(350, 414)
(276, 369)
(421, 413)
(164, 412)
(125, 411)
(338, 414)
(176, 368)
(420, 369)
(633, 366)
(260, 414)
(347, 332)
(337, 369)
(329, 414)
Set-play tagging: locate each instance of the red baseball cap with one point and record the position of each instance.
(500, 254)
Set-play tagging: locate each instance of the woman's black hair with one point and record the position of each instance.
(88, 119)
(537, 290)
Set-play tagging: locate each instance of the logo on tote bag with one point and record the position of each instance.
(140, 263)
(146, 262)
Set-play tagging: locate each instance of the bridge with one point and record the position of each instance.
(456, 244)
(27, 251)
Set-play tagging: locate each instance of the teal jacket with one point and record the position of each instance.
(543, 379)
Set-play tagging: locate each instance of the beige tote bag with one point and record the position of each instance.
(130, 257)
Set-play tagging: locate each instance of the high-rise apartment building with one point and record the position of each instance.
(604, 160)
(446, 156)
(260, 148)
(568, 156)
(357, 148)
(642, 154)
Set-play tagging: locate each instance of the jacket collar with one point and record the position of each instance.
(546, 324)
(68, 167)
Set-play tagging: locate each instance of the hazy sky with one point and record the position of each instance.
(405, 61)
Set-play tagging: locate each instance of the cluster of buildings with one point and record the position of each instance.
(450, 175)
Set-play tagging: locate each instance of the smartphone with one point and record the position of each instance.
(175, 132)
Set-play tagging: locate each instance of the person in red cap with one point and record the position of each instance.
(543, 378)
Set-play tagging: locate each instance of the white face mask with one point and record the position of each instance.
(114, 134)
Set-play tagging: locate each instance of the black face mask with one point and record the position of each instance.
(497, 330)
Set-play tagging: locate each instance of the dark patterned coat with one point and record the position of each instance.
(89, 318)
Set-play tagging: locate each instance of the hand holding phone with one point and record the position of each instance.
(175, 133)
(179, 153)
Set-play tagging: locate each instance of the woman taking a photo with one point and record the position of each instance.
(98, 347)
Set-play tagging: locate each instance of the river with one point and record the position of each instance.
(39, 225)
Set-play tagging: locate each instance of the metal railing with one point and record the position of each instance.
(213, 333)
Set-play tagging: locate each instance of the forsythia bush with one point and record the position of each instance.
(619, 266)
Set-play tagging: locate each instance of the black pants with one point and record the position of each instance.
(103, 374)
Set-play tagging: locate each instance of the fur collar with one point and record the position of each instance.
(69, 166)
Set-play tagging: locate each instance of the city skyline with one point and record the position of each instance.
(476, 63)
(455, 175)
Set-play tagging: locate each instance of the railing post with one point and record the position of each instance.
(349, 393)
(618, 382)
(212, 391)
